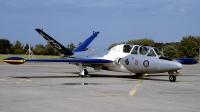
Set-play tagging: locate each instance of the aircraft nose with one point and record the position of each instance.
(177, 65)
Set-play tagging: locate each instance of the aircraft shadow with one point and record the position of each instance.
(100, 76)
(74, 72)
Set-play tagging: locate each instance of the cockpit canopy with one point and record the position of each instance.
(138, 50)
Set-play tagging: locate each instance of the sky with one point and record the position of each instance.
(117, 20)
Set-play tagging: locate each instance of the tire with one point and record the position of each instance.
(85, 72)
(172, 78)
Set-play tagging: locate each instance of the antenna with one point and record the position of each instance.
(29, 52)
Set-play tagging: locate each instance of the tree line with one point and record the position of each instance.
(187, 47)
(6, 47)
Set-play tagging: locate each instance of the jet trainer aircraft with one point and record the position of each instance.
(127, 58)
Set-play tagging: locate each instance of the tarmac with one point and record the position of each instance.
(56, 87)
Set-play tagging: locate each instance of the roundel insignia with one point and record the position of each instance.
(126, 61)
(136, 62)
(146, 63)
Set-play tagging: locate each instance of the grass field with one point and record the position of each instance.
(2, 56)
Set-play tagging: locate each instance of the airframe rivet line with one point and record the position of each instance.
(132, 92)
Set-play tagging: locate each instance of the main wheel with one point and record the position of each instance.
(86, 73)
(172, 78)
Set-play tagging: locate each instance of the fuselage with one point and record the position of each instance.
(134, 59)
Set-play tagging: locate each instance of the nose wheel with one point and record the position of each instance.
(172, 78)
(172, 75)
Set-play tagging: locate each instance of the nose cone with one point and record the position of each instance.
(177, 65)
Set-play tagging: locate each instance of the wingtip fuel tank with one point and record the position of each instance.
(14, 60)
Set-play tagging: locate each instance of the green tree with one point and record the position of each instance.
(5, 46)
(71, 46)
(26, 47)
(171, 51)
(39, 49)
(144, 41)
(159, 46)
(49, 49)
(189, 46)
(17, 47)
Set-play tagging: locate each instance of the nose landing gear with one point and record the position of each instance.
(172, 78)
(172, 75)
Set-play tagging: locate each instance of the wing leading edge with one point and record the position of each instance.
(19, 60)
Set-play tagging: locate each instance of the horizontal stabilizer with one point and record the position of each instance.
(187, 61)
(86, 42)
(56, 44)
(19, 60)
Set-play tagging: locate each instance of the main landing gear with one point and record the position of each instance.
(172, 75)
(83, 71)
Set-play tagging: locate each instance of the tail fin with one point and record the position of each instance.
(56, 44)
(86, 42)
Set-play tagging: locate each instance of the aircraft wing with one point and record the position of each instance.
(19, 60)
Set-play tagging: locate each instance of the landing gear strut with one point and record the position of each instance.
(83, 71)
(172, 75)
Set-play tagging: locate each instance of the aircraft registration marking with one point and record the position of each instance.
(132, 92)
